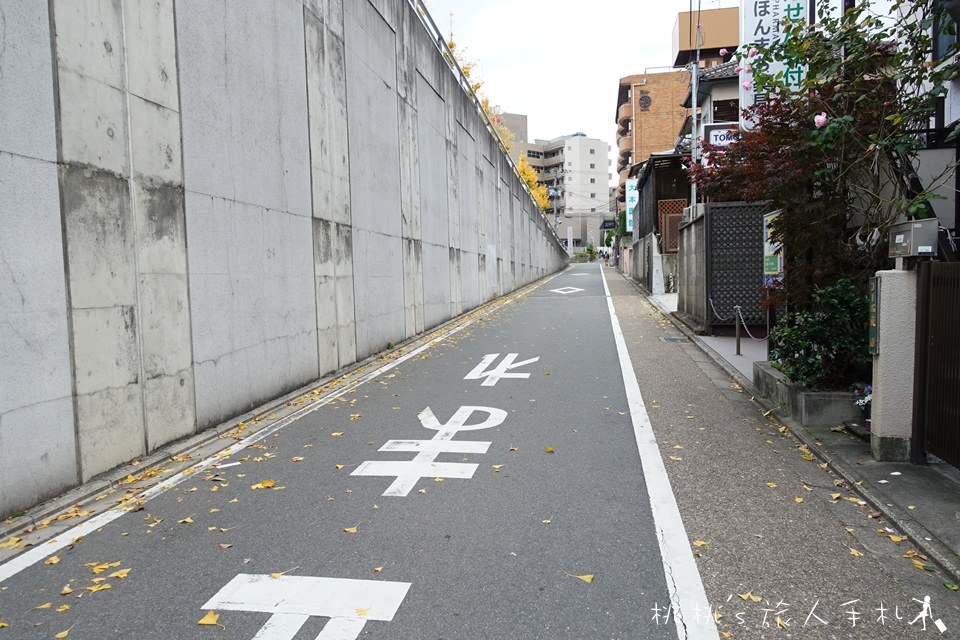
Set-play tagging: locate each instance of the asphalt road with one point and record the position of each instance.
(564, 463)
(489, 485)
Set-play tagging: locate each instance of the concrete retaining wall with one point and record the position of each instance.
(208, 204)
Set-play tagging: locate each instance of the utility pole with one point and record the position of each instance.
(694, 138)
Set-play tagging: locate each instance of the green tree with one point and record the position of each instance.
(836, 151)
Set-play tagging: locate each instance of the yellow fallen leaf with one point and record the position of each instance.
(62, 608)
(263, 484)
(3, 624)
(835, 496)
(798, 500)
(806, 488)
(378, 569)
(52, 560)
(781, 623)
(911, 507)
(421, 491)
(121, 574)
(278, 574)
(700, 543)
(676, 458)
(98, 587)
(362, 612)
(224, 545)
(549, 449)
(726, 634)
(45, 605)
(64, 633)
(547, 521)
(897, 539)
(588, 578)
(749, 596)
(10, 543)
(351, 530)
(678, 446)
(186, 520)
(337, 434)
(296, 459)
(210, 618)
(855, 553)
(66, 590)
(438, 479)
(100, 568)
(772, 485)
(513, 449)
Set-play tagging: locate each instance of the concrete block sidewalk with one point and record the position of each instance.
(922, 501)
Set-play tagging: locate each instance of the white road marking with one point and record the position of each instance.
(407, 473)
(293, 599)
(502, 370)
(687, 595)
(565, 290)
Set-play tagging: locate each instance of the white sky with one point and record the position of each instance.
(559, 61)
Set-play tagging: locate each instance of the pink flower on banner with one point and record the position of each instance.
(754, 51)
(723, 52)
(747, 84)
(820, 119)
(748, 68)
(738, 69)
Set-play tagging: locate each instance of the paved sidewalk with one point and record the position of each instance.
(922, 501)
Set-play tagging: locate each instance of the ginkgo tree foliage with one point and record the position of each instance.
(495, 116)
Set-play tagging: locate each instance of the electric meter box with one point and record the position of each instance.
(913, 239)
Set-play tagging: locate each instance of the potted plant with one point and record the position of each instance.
(862, 397)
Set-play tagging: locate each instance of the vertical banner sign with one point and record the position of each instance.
(632, 198)
(772, 254)
(761, 23)
(874, 326)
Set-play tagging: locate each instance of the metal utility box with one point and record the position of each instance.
(913, 239)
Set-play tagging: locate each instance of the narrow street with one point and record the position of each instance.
(540, 468)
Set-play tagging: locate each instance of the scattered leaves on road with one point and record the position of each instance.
(264, 484)
(749, 596)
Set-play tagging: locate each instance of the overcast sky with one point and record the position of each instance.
(559, 61)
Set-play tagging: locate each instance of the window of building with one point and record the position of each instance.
(593, 166)
(593, 181)
(534, 154)
(593, 195)
(569, 164)
(593, 152)
(593, 210)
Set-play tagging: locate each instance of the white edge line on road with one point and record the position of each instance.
(691, 610)
(40, 552)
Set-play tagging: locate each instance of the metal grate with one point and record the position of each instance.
(734, 262)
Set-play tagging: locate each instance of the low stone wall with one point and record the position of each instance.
(806, 407)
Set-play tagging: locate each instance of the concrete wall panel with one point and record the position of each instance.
(327, 100)
(248, 195)
(437, 287)
(378, 267)
(26, 95)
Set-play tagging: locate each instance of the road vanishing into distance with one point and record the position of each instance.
(561, 463)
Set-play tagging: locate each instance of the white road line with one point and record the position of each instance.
(691, 610)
